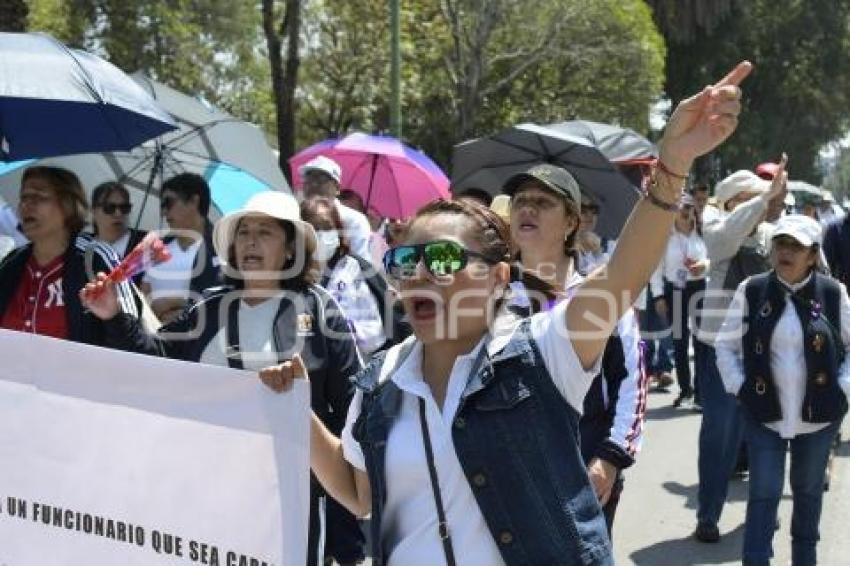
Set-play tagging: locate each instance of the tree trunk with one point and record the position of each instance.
(13, 15)
(284, 73)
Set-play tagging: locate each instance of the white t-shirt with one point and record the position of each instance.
(119, 245)
(256, 339)
(359, 306)
(173, 277)
(679, 248)
(409, 529)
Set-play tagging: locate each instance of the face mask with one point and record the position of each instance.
(327, 242)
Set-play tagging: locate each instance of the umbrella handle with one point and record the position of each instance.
(157, 168)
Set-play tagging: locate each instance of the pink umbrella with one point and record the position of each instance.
(393, 179)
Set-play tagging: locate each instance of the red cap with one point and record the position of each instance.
(767, 170)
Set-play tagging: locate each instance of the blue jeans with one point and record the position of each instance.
(719, 440)
(684, 304)
(809, 455)
(655, 332)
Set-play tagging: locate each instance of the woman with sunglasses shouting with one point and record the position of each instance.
(111, 209)
(462, 440)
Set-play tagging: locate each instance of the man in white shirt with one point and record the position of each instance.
(735, 241)
(321, 177)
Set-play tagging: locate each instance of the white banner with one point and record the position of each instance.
(109, 458)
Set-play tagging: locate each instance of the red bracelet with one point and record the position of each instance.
(663, 168)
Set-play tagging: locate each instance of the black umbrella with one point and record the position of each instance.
(620, 145)
(486, 163)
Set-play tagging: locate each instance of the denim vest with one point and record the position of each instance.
(818, 305)
(517, 441)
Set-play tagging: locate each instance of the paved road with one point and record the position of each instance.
(657, 512)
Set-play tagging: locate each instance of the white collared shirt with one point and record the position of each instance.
(787, 359)
(409, 528)
(681, 247)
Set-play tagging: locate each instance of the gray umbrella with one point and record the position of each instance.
(620, 145)
(486, 163)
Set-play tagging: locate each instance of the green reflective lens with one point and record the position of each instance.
(444, 258)
(441, 258)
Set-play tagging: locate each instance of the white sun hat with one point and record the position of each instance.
(275, 204)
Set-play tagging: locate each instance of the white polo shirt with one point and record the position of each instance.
(409, 529)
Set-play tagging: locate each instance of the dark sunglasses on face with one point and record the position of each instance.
(440, 257)
(111, 207)
(590, 210)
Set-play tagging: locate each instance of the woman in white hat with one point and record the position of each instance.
(270, 311)
(781, 352)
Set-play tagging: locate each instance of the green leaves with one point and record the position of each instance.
(798, 97)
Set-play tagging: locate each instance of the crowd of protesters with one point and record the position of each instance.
(471, 390)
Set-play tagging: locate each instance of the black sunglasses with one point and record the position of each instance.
(111, 207)
(441, 258)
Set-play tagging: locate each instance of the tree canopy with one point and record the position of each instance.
(797, 98)
(469, 67)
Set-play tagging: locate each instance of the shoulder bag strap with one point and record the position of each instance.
(232, 351)
(443, 527)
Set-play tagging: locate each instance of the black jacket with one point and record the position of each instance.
(84, 257)
(136, 236)
(309, 322)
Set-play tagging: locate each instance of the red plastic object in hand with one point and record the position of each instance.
(149, 252)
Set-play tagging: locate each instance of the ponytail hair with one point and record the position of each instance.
(539, 292)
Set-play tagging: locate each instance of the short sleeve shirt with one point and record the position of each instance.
(38, 304)
(409, 526)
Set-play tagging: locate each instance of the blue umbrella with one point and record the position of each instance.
(59, 101)
(231, 187)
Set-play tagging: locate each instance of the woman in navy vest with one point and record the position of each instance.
(462, 441)
(781, 351)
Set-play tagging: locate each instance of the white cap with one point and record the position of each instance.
(269, 203)
(324, 164)
(742, 181)
(804, 229)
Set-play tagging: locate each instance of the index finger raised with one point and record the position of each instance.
(737, 75)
